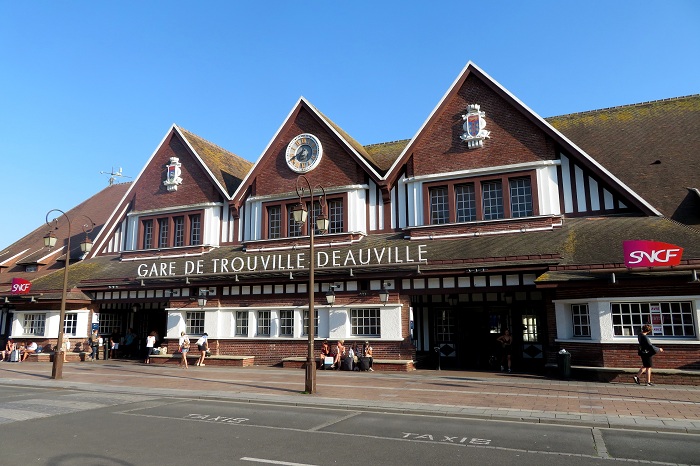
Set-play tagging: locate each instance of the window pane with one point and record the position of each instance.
(293, 227)
(195, 230)
(34, 324)
(241, 323)
(163, 232)
(263, 323)
(286, 323)
(179, 239)
(195, 323)
(582, 327)
(70, 325)
(520, 197)
(148, 234)
(335, 215)
(304, 330)
(439, 206)
(465, 202)
(274, 219)
(492, 200)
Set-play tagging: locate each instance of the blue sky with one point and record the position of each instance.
(90, 86)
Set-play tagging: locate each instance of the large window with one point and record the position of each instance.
(286, 323)
(109, 323)
(263, 323)
(293, 228)
(444, 325)
(34, 324)
(581, 320)
(304, 330)
(241, 323)
(70, 325)
(668, 319)
(195, 322)
(479, 199)
(179, 237)
(366, 322)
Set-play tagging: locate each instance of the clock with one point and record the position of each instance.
(304, 153)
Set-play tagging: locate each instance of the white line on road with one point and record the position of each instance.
(261, 460)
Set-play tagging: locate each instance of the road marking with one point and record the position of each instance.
(335, 421)
(599, 443)
(261, 460)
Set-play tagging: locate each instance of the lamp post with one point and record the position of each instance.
(85, 246)
(321, 222)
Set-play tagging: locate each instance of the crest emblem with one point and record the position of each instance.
(172, 177)
(474, 127)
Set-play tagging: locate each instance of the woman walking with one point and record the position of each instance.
(647, 352)
(184, 349)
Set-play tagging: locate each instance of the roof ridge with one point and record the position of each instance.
(387, 142)
(604, 109)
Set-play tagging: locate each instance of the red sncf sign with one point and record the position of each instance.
(20, 286)
(639, 253)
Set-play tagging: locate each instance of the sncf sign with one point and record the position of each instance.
(640, 253)
(20, 286)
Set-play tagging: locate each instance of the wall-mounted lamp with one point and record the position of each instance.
(202, 298)
(236, 279)
(330, 295)
(187, 280)
(613, 279)
(143, 283)
(384, 295)
(291, 276)
(695, 277)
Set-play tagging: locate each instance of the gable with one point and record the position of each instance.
(149, 192)
(343, 162)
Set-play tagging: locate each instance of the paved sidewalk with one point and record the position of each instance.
(485, 395)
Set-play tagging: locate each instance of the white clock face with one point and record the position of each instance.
(304, 153)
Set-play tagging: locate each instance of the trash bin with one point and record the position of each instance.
(564, 364)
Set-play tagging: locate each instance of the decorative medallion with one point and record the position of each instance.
(304, 153)
(474, 125)
(172, 178)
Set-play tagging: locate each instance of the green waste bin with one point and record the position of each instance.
(564, 364)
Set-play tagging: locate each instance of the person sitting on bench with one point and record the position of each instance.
(30, 349)
(9, 348)
(325, 353)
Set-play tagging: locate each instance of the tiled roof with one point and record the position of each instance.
(385, 154)
(653, 147)
(30, 248)
(228, 168)
(580, 242)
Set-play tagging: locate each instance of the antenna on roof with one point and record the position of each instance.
(114, 175)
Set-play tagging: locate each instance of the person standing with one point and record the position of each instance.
(150, 343)
(367, 352)
(203, 347)
(66, 347)
(506, 341)
(647, 352)
(184, 349)
(94, 345)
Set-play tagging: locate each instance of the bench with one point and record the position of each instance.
(391, 365)
(48, 357)
(624, 374)
(192, 357)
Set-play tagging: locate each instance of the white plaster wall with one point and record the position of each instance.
(548, 186)
(338, 324)
(391, 323)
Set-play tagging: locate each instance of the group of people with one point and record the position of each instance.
(23, 350)
(184, 348)
(349, 358)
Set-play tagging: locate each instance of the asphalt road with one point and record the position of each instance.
(64, 427)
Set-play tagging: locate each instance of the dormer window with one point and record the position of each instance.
(458, 201)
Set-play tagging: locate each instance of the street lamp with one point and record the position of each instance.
(85, 247)
(321, 223)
